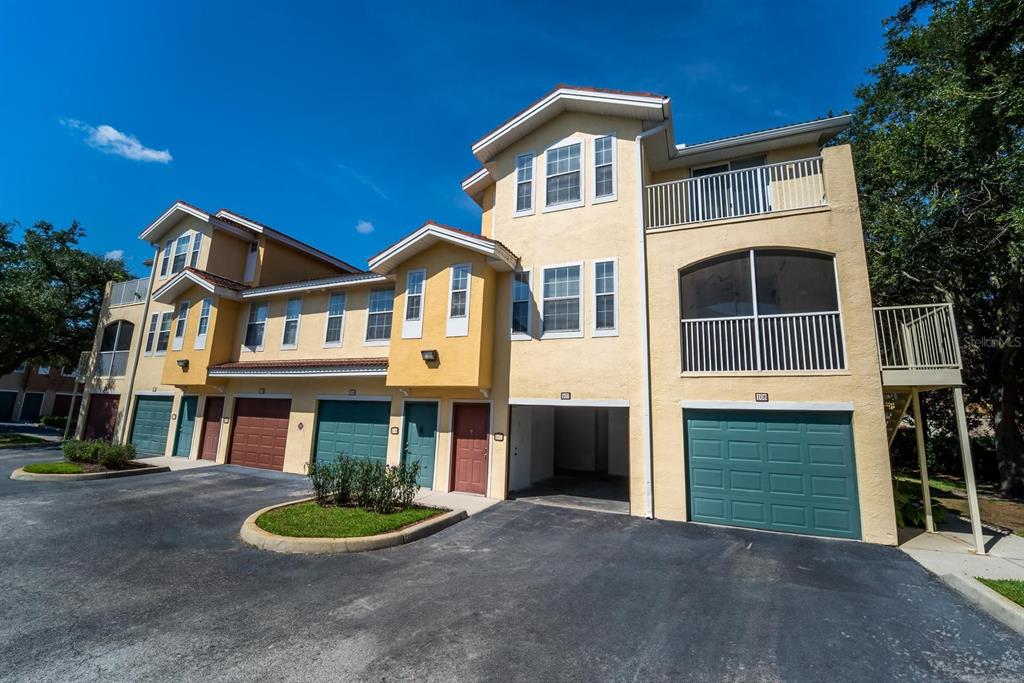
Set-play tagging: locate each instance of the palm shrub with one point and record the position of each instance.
(370, 484)
(98, 452)
(910, 506)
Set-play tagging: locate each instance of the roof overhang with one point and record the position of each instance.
(643, 106)
(185, 280)
(262, 370)
(315, 285)
(498, 256)
(277, 236)
(169, 218)
(476, 183)
(812, 132)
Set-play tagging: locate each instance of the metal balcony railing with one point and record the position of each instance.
(784, 186)
(129, 292)
(917, 337)
(764, 343)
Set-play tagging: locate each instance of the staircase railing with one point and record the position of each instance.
(920, 337)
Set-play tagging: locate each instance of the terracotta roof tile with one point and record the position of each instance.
(217, 280)
(304, 363)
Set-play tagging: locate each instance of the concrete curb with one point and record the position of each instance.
(264, 540)
(994, 604)
(22, 475)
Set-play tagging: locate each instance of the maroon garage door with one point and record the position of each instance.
(102, 416)
(260, 432)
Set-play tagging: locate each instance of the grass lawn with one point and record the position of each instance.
(19, 439)
(309, 520)
(59, 467)
(934, 484)
(1008, 588)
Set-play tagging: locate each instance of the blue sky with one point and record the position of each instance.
(325, 120)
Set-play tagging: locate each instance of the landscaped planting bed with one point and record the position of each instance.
(88, 460)
(310, 520)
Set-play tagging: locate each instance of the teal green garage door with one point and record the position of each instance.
(149, 428)
(776, 470)
(357, 429)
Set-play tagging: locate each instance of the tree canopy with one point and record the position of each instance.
(938, 141)
(50, 295)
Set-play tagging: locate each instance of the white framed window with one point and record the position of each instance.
(521, 314)
(165, 262)
(250, 261)
(154, 320)
(43, 370)
(524, 184)
(412, 324)
(605, 184)
(563, 176)
(379, 312)
(164, 336)
(290, 334)
(561, 302)
(21, 368)
(606, 298)
(335, 328)
(204, 323)
(179, 326)
(197, 242)
(256, 326)
(458, 300)
(180, 253)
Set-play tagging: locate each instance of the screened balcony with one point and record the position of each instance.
(735, 193)
(129, 292)
(762, 310)
(112, 358)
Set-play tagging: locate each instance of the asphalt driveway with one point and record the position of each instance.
(145, 579)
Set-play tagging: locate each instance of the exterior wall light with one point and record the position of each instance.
(429, 355)
(183, 364)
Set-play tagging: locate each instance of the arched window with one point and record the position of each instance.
(761, 309)
(114, 348)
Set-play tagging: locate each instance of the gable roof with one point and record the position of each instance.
(215, 284)
(498, 255)
(636, 105)
(325, 283)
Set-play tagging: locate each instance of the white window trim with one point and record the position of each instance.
(200, 342)
(572, 334)
(413, 329)
(245, 330)
(583, 175)
(533, 186)
(152, 331)
(520, 336)
(366, 331)
(165, 264)
(614, 331)
(186, 253)
(195, 249)
(458, 326)
(178, 342)
(284, 324)
(170, 331)
(252, 255)
(615, 173)
(344, 315)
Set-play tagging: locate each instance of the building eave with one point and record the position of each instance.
(322, 284)
(498, 256)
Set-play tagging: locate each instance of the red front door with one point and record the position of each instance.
(470, 426)
(212, 414)
(102, 416)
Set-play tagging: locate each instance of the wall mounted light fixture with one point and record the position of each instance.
(429, 355)
(183, 364)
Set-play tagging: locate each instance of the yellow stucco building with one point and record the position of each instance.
(675, 331)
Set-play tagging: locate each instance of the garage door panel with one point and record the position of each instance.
(151, 424)
(260, 433)
(356, 429)
(795, 473)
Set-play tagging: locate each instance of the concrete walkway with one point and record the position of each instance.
(951, 551)
(455, 501)
(176, 464)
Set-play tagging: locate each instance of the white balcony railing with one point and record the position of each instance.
(764, 189)
(130, 292)
(764, 343)
(103, 364)
(917, 337)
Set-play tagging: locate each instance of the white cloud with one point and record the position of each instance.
(110, 140)
(364, 227)
(115, 255)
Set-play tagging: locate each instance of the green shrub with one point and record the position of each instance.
(910, 505)
(370, 484)
(97, 452)
(58, 421)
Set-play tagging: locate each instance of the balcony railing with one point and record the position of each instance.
(764, 189)
(917, 337)
(130, 292)
(764, 343)
(103, 364)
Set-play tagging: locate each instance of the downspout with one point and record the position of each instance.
(644, 318)
(122, 433)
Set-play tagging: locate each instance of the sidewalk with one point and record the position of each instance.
(455, 501)
(175, 463)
